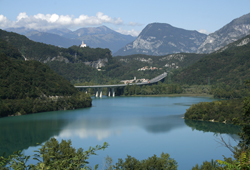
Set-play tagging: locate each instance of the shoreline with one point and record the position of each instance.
(173, 95)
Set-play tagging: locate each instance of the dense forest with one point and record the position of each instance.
(30, 86)
(220, 111)
(156, 89)
(230, 65)
(140, 60)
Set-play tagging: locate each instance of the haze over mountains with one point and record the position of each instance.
(94, 37)
(155, 39)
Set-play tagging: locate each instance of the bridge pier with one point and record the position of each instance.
(113, 92)
(96, 92)
(100, 92)
(108, 92)
(86, 90)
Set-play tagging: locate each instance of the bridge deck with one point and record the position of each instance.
(152, 81)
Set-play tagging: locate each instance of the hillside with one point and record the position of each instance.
(76, 64)
(229, 65)
(30, 87)
(235, 30)
(166, 62)
(162, 39)
(9, 50)
(58, 58)
(46, 53)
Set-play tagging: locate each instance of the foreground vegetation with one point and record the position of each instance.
(55, 155)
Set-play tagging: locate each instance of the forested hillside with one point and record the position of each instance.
(9, 50)
(230, 65)
(45, 53)
(171, 61)
(30, 86)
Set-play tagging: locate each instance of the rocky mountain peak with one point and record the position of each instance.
(236, 29)
(162, 39)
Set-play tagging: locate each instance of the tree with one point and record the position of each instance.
(157, 163)
(53, 155)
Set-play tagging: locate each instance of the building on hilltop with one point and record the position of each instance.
(83, 45)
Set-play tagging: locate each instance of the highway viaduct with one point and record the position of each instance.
(111, 88)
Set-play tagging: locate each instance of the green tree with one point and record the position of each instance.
(53, 155)
(156, 163)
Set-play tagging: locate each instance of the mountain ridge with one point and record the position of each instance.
(94, 37)
(236, 29)
(162, 39)
(229, 65)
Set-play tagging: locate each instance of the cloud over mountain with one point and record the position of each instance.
(132, 32)
(50, 21)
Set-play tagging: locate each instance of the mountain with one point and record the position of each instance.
(52, 39)
(236, 29)
(102, 37)
(161, 39)
(229, 65)
(94, 37)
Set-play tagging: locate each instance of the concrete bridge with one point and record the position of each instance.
(111, 88)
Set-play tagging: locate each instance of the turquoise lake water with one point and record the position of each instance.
(135, 126)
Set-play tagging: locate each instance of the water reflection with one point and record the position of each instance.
(112, 125)
(134, 123)
(18, 133)
(215, 127)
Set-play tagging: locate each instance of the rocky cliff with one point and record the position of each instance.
(162, 39)
(236, 29)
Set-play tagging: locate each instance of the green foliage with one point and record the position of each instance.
(140, 60)
(212, 165)
(53, 155)
(157, 163)
(214, 127)
(155, 89)
(230, 67)
(226, 91)
(196, 89)
(30, 87)
(88, 54)
(9, 50)
(217, 110)
(242, 163)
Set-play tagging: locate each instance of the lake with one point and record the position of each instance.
(135, 126)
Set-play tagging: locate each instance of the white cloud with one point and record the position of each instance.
(49, 21)
(132, 32)
(22, 15)
(203, 31)
(4, 22)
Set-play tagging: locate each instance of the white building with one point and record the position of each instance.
(83, 45)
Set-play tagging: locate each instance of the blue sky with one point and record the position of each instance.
(127, 16)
